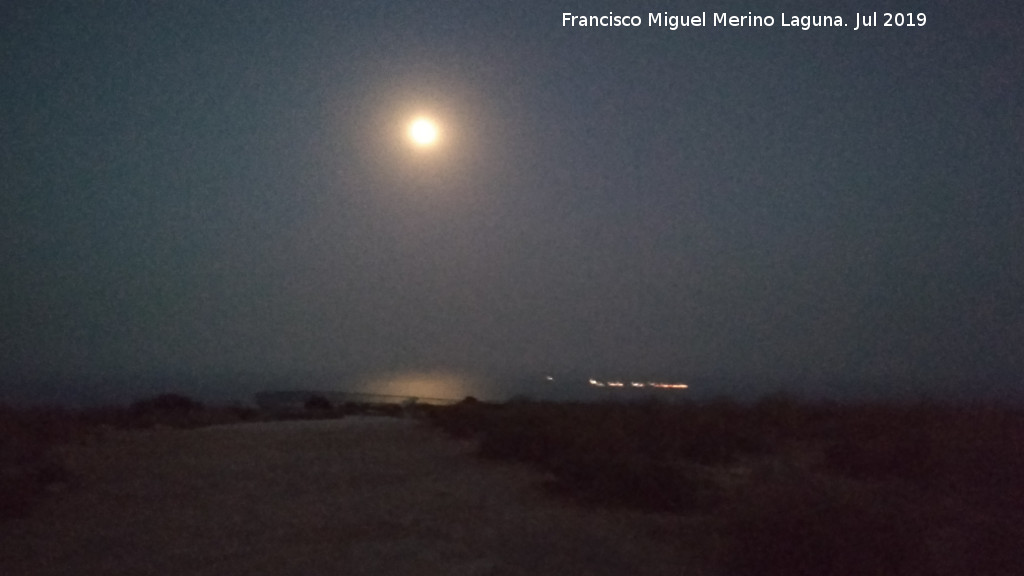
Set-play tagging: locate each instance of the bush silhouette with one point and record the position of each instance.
(797, 528)
(635, 482)
(318, 403)
(787, 487)
(167, 403)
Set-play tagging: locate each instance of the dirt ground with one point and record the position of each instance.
(354, 496)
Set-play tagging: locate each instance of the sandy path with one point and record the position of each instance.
(355, 496)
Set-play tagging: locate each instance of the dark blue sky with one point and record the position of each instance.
(218, 187)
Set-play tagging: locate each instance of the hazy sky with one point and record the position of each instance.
(226, 186)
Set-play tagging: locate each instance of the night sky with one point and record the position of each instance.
(227, 187)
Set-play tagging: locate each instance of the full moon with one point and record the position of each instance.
(423, 132)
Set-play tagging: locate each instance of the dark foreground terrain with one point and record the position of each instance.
(357, 495)
(787, 488)
(777, 487)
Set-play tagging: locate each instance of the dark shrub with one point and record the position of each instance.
(799, 528)
(532, 432)
(243, 413)
(466, 419)
(318, 403)
(166, 403)
(173, 410)
(391, 410)
(354, 408)
(633, 482)
(908, 457)
(516, 443)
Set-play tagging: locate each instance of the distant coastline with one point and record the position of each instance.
(81, 391)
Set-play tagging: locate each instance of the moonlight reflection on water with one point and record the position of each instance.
(426, 384)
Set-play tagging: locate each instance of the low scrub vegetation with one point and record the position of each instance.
(787, 487)
(30, 465)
